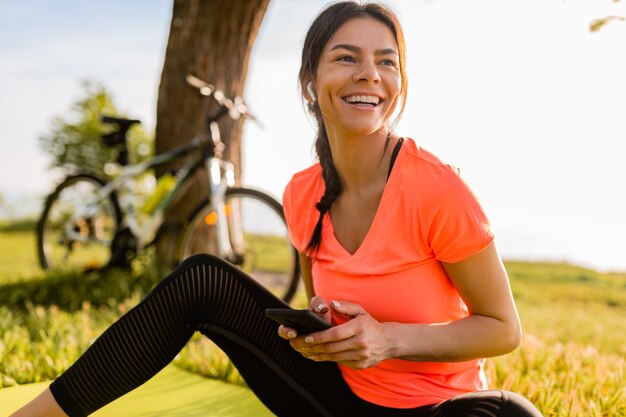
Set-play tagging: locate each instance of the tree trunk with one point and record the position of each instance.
(211, 39)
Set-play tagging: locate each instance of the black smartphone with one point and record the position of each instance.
(302, 321)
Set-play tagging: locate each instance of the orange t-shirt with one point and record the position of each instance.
(427, 215)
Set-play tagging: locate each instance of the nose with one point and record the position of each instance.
(366, 72)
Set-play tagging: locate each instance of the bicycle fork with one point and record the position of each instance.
(228, 219)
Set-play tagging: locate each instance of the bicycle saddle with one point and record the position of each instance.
(118, 136)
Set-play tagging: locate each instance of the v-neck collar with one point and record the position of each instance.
(393, 182)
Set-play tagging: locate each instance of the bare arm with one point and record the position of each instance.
(491, 329)
(307, 277)
(43, 405)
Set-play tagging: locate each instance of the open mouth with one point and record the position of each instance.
(362, 99)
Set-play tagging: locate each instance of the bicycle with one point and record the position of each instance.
(89, 223)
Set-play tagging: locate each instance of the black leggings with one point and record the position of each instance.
(209, 295)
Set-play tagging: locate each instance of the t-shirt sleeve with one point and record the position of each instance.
(458, 226)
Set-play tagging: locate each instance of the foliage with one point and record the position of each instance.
(69, 291)
(18, 225)
(38, 343)
(74, 142)
(598, 24)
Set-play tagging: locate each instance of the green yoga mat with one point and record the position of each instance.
(171, 393)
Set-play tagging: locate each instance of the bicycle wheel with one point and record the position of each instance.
(77, 225)
(265, 253)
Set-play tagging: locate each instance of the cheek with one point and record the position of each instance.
(395, 84)
(392, 109)
(395, 90)
(328, 88)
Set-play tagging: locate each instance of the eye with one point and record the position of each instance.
(346, 58)
(388, 62)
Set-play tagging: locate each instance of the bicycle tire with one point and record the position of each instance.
(267, 254)
(90, 246)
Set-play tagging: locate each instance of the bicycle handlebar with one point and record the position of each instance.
(236, 108)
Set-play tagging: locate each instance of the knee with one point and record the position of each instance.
(517, 405)
(202, 259)
(191, 282)
(180, 275)
(490, 403)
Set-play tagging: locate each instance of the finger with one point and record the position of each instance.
(348, 360)
(299, 344)
(333, 348)
(300, 347)
(334, 334)
(318, 305)
(287, 332)
(351, 310)
(351, 357)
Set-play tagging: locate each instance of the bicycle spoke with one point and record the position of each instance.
(76, 229)
(258, 236)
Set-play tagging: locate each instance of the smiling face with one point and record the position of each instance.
(358, 79)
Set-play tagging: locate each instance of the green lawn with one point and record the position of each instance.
(571, 362)
(18, 253)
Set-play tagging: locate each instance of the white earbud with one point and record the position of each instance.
(309, 89)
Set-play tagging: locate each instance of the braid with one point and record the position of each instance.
(331, 180)
(319, 34)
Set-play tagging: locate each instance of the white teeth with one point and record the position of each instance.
(363, 99)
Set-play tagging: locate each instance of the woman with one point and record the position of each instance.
(396, 253)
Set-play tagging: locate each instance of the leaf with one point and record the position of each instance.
(598, 24)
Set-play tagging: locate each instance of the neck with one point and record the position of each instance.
(362, 161)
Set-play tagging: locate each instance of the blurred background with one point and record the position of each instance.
(521, 96)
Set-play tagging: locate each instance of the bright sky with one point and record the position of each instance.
(518, 94)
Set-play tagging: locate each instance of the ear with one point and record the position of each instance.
(309, 92)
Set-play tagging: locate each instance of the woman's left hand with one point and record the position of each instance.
(359, 343)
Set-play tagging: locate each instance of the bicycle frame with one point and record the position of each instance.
(242, 225)
(221, 175)
(135, 230)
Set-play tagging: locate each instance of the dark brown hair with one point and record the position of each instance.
(321, 31)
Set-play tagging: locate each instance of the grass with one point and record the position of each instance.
(18, 255)
(571, 362)
(561, 303)
(271, 253)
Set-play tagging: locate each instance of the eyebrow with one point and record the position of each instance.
(356, 49)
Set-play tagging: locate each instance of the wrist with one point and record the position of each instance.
(395, 346)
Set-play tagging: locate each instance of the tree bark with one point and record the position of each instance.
(211, 39)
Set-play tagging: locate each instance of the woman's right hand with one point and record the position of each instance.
(318, 306)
